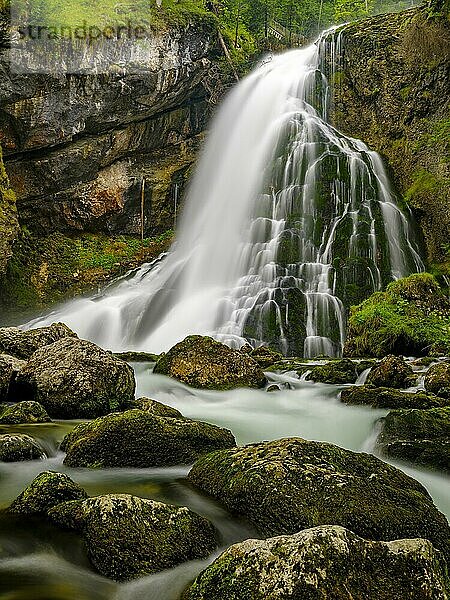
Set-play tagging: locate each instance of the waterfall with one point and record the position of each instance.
(286, 224)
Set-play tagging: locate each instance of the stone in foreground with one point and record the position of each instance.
(75, 379)
(23, 413)
(392, 372)
(437, 379)
(324, 562)
(139, 439)
(16, 447)
(201, 362)
(291, 484)
(22, 344)
(47, 490)
(128, 537)
(421, 437)
(154, 407)
(389, 398)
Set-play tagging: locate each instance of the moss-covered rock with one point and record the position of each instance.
(9, 367)
(73, 378)
(324, 562)
(23, 413)
(204, 363)
(128, 537)
(47, 490)
(23, 344)
(9, 224)
(133, 357)
(389, 398)
(16, 447)
(154, 408)
(140, 439)
(338, 371)
(418, 436)
(412, 317)
(265, 356)
(393, 372)
(437, 379)
(287, 485)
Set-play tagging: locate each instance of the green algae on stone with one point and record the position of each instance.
(47, 490)
(204, 363)
(382, 397)
(324, 562)
(16, 447)
(421, 437)
(437, 379)
(392, 372)
(23, 413)
(9, 224)
(287, 485)
(139, 439)
(128, 537)
(265, 356)
(337, 372)
(154, 408)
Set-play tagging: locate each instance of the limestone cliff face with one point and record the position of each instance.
(77, 147)
(392, 91)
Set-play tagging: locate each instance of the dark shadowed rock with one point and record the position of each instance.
(9, 367)
(16, 447)
(389, 398)
(47, 490)
(23, 344)
(292, 484)
(139, 439)
(73, 378)
(337, 372)
(128, 537)
(204, 363)
(327, 562)
(22, 413)
(392, 372)
(437, 379)
(418, 436)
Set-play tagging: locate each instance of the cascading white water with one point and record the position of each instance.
(286, 223)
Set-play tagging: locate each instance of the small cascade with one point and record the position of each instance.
(287, 223)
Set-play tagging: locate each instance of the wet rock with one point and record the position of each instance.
(128, 537)
(16, 447)
(437, 379)
(337, 372)
(154, 408)
(133, 357)
(389, 398)
(47, 490)
(265, 356)
(22, 344)
(324, 562)
(73, 378)
(291, 484)
(204, 363)
(9, 368)
(23, 413)
(392, 372)
(421, 437)
(139, 439)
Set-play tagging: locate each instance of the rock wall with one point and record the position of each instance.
(391, 90)
(9, 225)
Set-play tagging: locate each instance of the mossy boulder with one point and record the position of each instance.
(73, 378)
(392, 372)
(136, 438)
(135, 357)
(337, 372)
(324, 562)
(205, 363)
(16, 447)
(421, 437)
(291, 484)
(47, 490)
(22, 344)
(389, 398)
(411, 318)
(265, 356)
(128, 537)
(9, 367)
(154, 408)
(23, 413)
(437, 379)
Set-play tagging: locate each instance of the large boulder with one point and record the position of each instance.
(136, 438)
(47, 490)
(73, 378)
(23, 344)
(9, 368)
(287, 485)
(23, 413)
(437, 379)
(418, 436)
(336, 372)
(392, 372)
(324, 562)
(389, 398)
(154, 407)
(204, 363)
(128, 537)
(16, 447)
